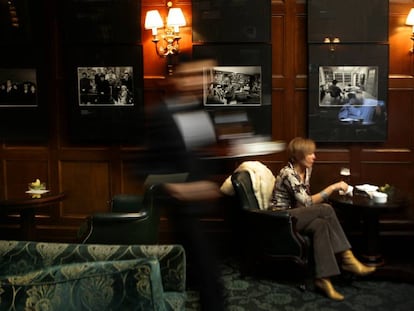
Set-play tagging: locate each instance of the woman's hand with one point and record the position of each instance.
(340, 186)
(325, 193)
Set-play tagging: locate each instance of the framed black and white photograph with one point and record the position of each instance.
(348, 93)
(18, 87)
(105, 92)
(23, 104)
(232, 86)
(245, 69)
(252, 59)
(103, 86)
(341, 85)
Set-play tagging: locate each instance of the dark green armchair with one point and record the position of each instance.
(133, 219)
(268, 236)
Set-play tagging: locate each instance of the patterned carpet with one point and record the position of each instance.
(253, 294)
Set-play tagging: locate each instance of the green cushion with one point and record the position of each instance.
(36, 270)
(105, 285)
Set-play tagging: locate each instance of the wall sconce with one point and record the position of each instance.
(171, 34)
(410, 21)
(332, 42)
(14, 19)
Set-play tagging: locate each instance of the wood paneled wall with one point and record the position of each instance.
(91, 174)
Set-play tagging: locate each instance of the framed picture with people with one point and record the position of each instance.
(105, 92)
(105, 85)
(242, 66)
(232, 85)
(237, 90)
(348, 93)
(23, 97)
(18, 87)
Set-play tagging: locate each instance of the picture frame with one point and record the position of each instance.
(256, 56)
(340, 85)
(102, 117)
(103, 21)
(231, 21)
(348, 93)
(18, 87)
(23, 117)
(232, 85)
(105, 86)
(253, 117)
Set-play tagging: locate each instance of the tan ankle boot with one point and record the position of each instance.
(327, 288)
(351, 264)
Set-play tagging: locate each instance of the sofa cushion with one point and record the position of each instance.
(17, 257)
(109, 285)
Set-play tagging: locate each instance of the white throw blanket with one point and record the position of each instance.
(262, 178)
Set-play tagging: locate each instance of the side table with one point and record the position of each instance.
(26, 206)
(370, 211)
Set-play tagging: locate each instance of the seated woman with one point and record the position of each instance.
(292, 191)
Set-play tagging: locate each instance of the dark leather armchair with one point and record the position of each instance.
(268, 235)
(133, 219)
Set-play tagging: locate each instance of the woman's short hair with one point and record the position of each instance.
(299, 147)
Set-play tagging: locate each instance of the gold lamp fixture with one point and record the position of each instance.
(332, 42)
(410, 21)
(171, 34)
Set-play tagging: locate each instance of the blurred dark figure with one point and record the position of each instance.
(103, 89)
(177, 128)
(85, 87)
(335, 91)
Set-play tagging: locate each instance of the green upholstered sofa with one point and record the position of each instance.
(61, 276)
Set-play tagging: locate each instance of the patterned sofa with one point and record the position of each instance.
(59, 276)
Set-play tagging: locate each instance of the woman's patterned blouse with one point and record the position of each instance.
(289, 191)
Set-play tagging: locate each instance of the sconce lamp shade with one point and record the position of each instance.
(153, 21)
(175, 18)
(410, 18)
(168, 44)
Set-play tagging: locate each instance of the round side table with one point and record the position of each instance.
(370, 212)
(26, 207)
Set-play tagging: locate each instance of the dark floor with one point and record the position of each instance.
(398, 257)
(398, 263)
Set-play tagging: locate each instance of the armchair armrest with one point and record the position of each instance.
(278, 232)
(120, 228)
(118, 217)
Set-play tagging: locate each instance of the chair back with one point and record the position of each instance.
(133, 203)
(134, 218)
(153, 179)
(127, 203)
(136, 221)
(267, 235)
(243, 188)
(150, 229)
